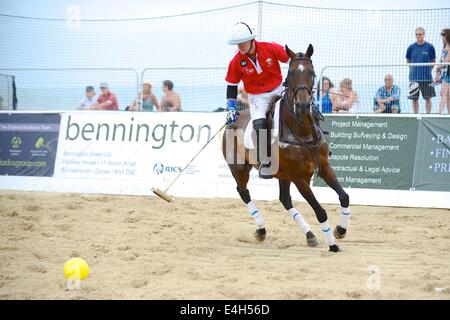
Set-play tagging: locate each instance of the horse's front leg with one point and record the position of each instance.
(327, 174)
(303, 186)
(285, 199)
(241, 174)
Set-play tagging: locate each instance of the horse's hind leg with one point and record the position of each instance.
(327, 174)
(241, 173)
(321, 214)
(285, 199)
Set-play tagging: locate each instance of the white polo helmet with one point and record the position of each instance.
(241, 32)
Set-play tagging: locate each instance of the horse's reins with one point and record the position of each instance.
(337, 94)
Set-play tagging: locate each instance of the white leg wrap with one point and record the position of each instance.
(327, 234)
(299, 219)
(345, 217)
(259, 220)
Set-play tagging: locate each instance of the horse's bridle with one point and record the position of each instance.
(311, 103)
(302, 87)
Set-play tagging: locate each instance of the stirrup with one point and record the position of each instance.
(265, 171)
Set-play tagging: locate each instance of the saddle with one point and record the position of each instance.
(286, 135)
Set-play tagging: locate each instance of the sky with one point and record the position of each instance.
(108, 9)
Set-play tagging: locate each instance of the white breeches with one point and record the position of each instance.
(259, 103)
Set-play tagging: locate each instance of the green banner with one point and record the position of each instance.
(432, 167)
(371, 152)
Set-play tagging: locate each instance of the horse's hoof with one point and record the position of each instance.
(260, 234)
(311, 239)
(339, 232)
(335, 248)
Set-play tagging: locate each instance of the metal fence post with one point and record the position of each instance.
(260, 16)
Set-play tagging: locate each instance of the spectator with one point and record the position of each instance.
(420, 77)
(387, 98)
(107, 100)
(88, 100)
(242, 99)
(2, 107)
(171, 100)
(149, 100)
(323, 94)
(443, 72)
(346, 97)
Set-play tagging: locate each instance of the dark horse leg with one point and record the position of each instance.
(241, 173)
(327, 174)
(285, 199)
(321, 214)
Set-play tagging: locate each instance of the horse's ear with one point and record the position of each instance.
(309, 51)
(289, 52)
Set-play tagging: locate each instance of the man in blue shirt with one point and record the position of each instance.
(421, 52)
(387, 98)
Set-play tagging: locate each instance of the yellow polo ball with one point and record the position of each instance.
(76, 268)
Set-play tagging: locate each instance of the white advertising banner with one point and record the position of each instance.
(131, 152)
(149, 148)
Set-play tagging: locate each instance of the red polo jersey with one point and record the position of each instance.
(263, 76)
(111, 97)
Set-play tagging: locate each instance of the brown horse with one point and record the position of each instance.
(302, 150)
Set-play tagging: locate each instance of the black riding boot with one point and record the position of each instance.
(263, 148)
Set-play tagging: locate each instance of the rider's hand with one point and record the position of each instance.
(232, 116)
(232, 113)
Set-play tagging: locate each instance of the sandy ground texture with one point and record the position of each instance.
(145, 248)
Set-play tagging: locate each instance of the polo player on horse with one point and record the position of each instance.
(305, 149)
(257, 65)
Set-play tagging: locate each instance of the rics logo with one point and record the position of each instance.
(158, 168)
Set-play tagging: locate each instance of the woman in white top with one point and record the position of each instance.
(89, 99)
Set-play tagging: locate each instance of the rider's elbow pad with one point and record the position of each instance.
(232, 92)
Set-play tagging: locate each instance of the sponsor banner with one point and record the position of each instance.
(372, 152)
(28, 143)
(130, 146)
(130, 152)
(432, 167)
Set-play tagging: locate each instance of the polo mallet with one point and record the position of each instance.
(337, 94)
(163, 194)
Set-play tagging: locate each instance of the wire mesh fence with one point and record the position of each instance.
(65, 88)
(200, 89)
(192, 51)
(378, 88)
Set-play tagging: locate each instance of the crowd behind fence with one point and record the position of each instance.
(369, 83)
(52, 61)
(65, 88)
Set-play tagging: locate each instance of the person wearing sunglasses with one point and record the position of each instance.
(420, 78)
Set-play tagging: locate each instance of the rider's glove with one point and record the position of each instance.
(232, 113)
